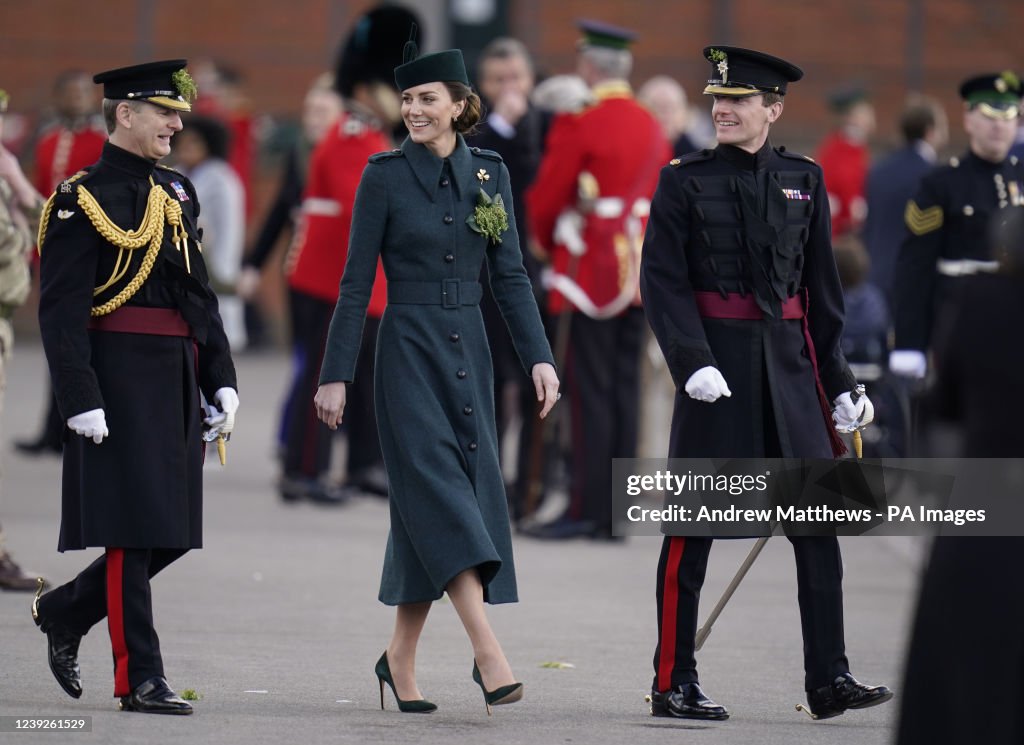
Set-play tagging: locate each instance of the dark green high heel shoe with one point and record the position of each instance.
(383, 671)
(504, 695)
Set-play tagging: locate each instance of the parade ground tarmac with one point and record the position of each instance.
(275, 624)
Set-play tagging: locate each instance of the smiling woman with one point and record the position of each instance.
(433, 379)
(435, 112)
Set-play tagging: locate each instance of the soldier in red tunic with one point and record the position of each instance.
(587, 208)
(843, 156)
(73, 141)
(364, 80)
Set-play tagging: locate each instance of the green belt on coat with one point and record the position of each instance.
(448, 293)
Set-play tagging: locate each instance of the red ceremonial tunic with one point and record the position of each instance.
(618, 142)
(62, 152)
(845, 165)
(321, 244)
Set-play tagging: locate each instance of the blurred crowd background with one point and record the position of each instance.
(254, 62)
(879, 77)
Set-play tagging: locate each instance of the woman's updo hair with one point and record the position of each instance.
(470, 116)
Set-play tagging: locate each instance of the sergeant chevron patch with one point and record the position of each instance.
(922, 221)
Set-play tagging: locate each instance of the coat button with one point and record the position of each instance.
(453, 336)
(445, 182)
(449, 258)
(467, 410)
(448, 219)
(472, 446)
(461, 374)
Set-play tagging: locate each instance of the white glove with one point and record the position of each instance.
(248, 282)
(707, 384)
(92, 423)
(908, 363)
(224, 420)
(849, 416)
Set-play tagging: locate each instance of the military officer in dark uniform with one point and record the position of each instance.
(741, 290)
(132, 335)
(979, 384)
(949, 217)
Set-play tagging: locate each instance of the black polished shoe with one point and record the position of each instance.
(155, 697)
(372, 481)
(61, 650)
(298, 489)
(844, 693)
(686, 701)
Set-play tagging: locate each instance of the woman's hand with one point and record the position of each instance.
(545, 380)
(330, 403)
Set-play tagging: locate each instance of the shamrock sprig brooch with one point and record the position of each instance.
(489, 218)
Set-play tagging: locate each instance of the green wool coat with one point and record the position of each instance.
(434, 390)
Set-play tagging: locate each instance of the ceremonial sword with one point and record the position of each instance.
(704, 631)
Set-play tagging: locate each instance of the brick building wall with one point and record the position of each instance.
(890, 46)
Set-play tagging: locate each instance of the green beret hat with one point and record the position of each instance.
(443, 67)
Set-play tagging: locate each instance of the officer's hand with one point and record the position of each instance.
(330, 403)
(92, 423)
(511, 106)
(248, 282)
(849, 416)
(708, 385)
(545, 381)
(908, 363)
(224, 420)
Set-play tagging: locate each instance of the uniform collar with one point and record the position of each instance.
(611, 89)
(427, 167)
(122, 160)
(982, 163)
(746, 161)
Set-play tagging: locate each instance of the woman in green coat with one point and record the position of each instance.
(433, 211)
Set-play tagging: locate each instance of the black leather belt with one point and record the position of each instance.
(448, 293)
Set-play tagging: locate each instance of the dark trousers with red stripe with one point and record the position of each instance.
(307, 440)
(819, 576)
(115, 586)
(603, 382)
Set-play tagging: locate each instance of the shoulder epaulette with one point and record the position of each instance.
(385, 156)
(66, 186)
(168, 168)
(489, 154)
(794, 156)
(353, 126)
(695, 157)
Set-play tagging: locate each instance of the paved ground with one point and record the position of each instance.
(277, 626)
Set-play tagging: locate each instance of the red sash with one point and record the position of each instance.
(133, 319)
(745, 308)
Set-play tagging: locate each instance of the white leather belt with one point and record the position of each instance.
(612, 207)
(321, 206)
(965, 267)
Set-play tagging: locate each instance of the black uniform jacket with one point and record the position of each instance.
(142, 486)
(727, 221)
(949, 219)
